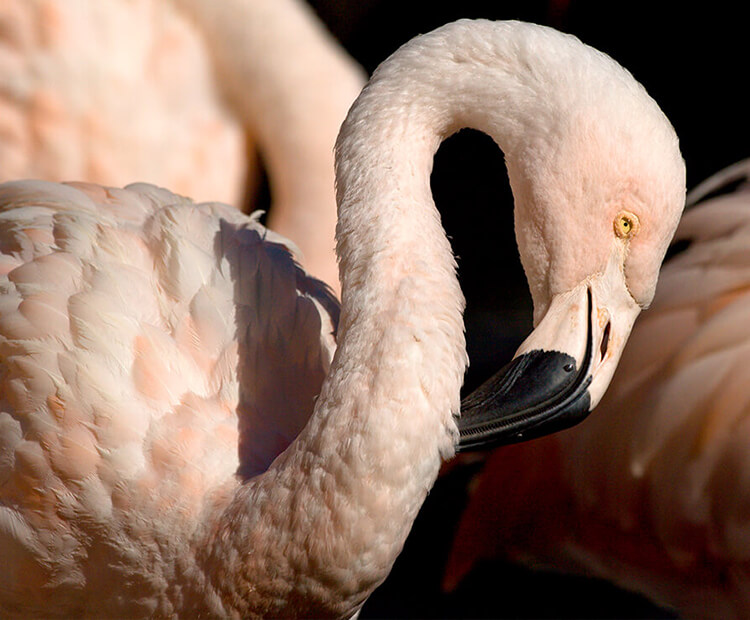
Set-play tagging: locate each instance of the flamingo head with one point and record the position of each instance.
(596, 208)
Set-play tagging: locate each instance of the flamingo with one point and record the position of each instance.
(652, 491)
(291, 84)
(180, 434)
(70, 73)
(70, 76)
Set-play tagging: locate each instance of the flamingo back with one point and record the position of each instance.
(152, 351)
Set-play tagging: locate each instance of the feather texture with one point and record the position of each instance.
(69, 74)
(124, 314)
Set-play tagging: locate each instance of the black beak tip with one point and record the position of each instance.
(538, 393)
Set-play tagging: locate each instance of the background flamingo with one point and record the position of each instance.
(291, 84)
(112, 91)
(181, 94)
(102, 397)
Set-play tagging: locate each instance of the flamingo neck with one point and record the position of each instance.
(322, 527)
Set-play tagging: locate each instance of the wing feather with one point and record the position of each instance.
(151, 349)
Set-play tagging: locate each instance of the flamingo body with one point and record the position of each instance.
(70, 76)
(124, 316)
(652, 490)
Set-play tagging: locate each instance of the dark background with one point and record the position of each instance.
(694, 61)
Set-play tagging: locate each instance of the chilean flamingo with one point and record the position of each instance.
(177, 434)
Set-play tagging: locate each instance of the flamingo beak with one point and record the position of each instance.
(559, 373)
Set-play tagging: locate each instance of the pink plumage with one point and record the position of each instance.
(114, 92)
(181, 95)
(124, 315)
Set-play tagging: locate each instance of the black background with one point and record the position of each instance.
(694, 61)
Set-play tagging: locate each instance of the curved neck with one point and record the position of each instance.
(481, 75)
(337, 506)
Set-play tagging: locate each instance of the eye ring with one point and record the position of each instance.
(626, 225)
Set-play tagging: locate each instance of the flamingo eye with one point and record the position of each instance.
(626, 224)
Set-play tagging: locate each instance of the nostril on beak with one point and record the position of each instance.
(605, 341)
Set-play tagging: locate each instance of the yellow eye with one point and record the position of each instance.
(626, 224)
